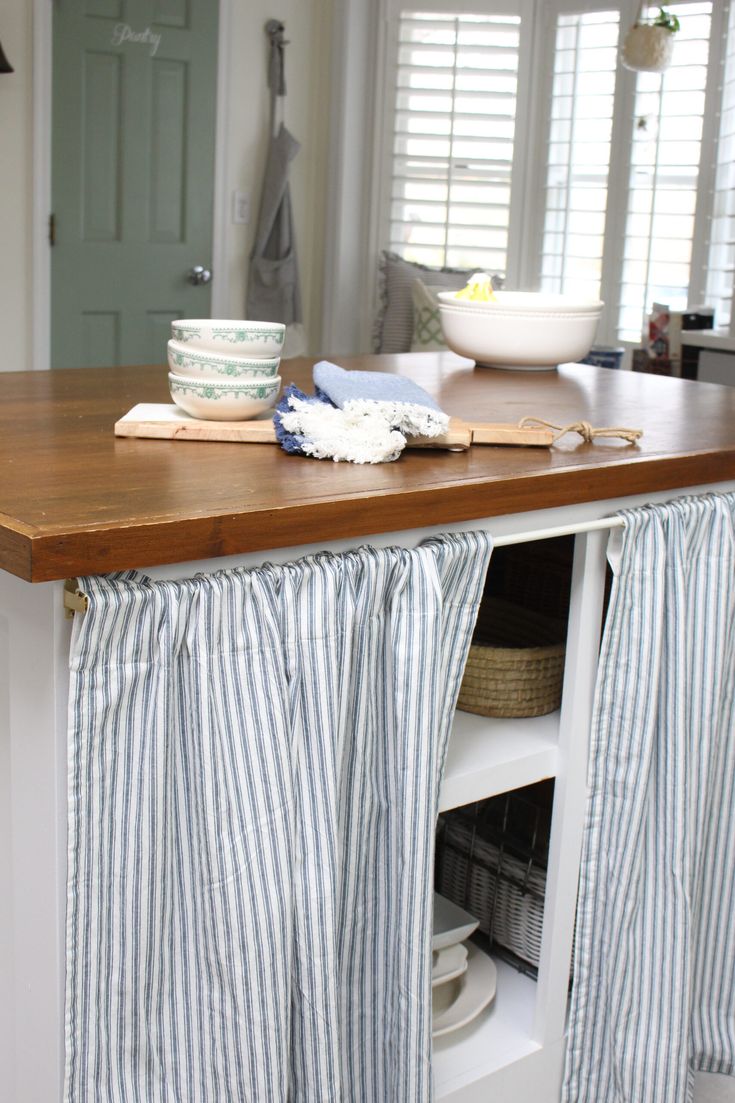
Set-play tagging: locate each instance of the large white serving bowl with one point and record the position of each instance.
(232, 400)
(227, 335)
(522, 330)
(198, 363)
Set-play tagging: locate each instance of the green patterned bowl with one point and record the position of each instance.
(222, 335)
(196, 363)
(231, 400)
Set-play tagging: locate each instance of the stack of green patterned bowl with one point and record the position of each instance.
(223, 370)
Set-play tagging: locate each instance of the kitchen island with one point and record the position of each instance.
(75, 500)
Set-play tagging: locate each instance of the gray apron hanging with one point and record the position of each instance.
(274, 294)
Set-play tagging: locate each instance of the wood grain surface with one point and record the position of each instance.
(167, 422)
(74, 499)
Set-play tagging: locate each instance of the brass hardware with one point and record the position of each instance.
(74, 600)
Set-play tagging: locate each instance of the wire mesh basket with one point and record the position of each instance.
(492, 859)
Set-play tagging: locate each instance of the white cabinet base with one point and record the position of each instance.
(514, 1051)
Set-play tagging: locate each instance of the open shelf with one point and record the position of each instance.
(500, 1036)
(488, 756)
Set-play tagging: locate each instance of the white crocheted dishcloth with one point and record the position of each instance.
(354, 436)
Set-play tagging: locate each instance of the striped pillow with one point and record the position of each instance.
(394, 322)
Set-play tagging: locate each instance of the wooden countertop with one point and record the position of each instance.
(76, 500)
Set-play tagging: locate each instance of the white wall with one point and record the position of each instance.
(308, 29)
(7, 977)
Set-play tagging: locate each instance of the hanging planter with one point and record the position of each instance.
(649, 44)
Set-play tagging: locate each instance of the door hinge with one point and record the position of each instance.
(52, 229)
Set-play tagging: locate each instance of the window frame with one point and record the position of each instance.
(552, 9)
(726, 78)
(620, 155)
(620, 158)
(385, 112)
(535, 81)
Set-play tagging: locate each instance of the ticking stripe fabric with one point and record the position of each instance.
(255, 759)
(393, 328)
(654, 985)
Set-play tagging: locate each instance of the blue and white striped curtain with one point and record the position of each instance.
(654, 986)
(255, 759)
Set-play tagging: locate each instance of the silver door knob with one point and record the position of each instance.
(198, 274)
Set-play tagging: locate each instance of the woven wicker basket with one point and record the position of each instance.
(515, 665)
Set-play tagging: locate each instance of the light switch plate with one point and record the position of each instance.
(241, 208)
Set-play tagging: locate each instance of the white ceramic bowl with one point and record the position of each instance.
(521, 331)
(232, 400)
(198, 363)
(223, 335)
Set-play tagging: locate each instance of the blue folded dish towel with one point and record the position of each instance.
(356, 416)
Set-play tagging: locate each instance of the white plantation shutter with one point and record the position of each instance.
(721, 260)
(452, 140)
(665, 163)
(512, 139)
(578, 163)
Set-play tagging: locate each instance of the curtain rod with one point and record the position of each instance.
(560, 530)
(76, 601)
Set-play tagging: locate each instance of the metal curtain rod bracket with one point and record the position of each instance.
(75, 601)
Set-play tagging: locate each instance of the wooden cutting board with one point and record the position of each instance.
(170, 423)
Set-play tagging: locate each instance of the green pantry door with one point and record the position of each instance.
(134, 99)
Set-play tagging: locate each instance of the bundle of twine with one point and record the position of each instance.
(585, 430)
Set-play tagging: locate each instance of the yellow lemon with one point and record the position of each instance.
(479, 289)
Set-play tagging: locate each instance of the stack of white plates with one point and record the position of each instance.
(223, 370)
(463, 979)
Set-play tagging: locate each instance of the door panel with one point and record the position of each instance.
(100, 337)
(110, 8)
(158, 325)
(168, 152)
(133, 163)
(101, 146)
(171, 13)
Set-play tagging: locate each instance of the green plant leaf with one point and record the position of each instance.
(668, 20)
